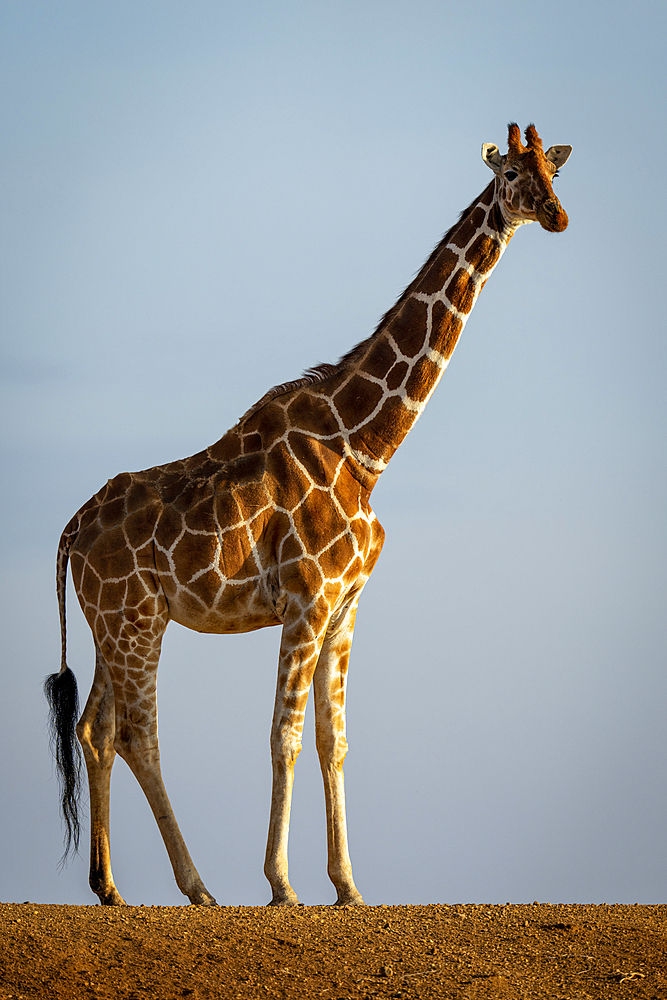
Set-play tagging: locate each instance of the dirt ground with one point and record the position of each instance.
(141, 952)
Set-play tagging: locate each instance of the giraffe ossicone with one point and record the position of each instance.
(271, 525)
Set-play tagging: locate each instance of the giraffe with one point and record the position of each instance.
(271, 525)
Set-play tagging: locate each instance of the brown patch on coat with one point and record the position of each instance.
(188, 494)
(206, 587)
(140, 525)
(408, 327)
(397, 375)
(380, 437)
(330, 384)
(290, 549)
(85, 579)
(469, 226)
(356, 401)
(226, 511)
(135, 598)
(251, 442)
(350, 494)
(88, 534)
(287, 484)
(436, 276)
(200, 517)
(334, 560)
(252, 500)
(461, 291)
(311, 413)
(269, 422)
(315, 522)
(189, 558)
(200, 466)
(483, 254)
(380, 358)
(138, 496)
(319, 458)
(112, 595)
(144, 555)
(110, 555)
(445, 329)
(487, 195)
(495, 220)
(332, 592)
(304, 581)
(422, 379)
(112, 511)
(227, 448)
(277, 527)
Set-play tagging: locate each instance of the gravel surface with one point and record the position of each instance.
(562, 952)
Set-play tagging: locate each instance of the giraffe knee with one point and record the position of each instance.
(95, 728)
(331, 750)
(285, 748)
(96, 743)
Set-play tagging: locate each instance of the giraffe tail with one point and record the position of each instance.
(62, 695)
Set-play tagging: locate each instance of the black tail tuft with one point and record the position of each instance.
(61, 693)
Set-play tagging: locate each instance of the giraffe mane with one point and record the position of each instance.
(319, 373)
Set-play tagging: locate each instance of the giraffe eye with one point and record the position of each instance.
(511, 175)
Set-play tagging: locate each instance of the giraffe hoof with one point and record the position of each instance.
(202, 898)
(112, 899)
(285, 901)
(350, 899)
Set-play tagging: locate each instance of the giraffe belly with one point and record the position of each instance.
(238, 608)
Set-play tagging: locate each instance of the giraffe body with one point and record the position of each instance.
(271, 525)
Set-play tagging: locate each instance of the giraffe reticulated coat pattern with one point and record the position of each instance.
(272, 525)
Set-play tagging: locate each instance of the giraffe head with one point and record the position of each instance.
(525, 174)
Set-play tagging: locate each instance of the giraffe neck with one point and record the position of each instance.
(383, 385)
(361, 409)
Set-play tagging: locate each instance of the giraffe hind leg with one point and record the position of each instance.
(96, 731)
(136, 740)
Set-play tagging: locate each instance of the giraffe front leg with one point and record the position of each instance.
(298, 657)
(283, 757)
(329, 688)
(95, 731)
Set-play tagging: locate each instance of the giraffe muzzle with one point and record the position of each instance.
(551, 216)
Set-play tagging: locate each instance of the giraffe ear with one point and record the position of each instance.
(491, 156)
(558, 155)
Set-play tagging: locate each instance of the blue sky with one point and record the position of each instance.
(201, 201)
